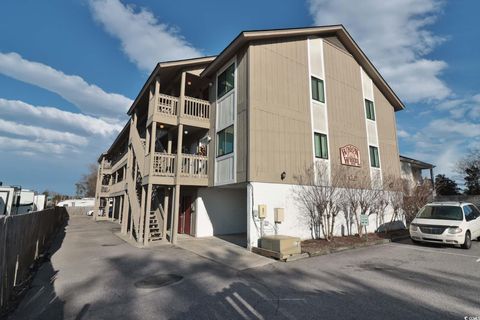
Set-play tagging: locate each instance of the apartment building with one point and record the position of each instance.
(210, 139)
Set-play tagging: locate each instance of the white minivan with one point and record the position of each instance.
(454, 223)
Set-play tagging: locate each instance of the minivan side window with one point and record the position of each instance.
(475, 210)
(469, 214)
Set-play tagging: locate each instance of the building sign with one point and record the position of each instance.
(350, 155)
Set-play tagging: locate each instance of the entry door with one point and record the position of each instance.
(185, 219)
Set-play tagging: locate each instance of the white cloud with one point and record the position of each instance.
(403, 134)
(29, 147)
(395, 37)
(41, 134)
(58, 119)
(143, 39)
(451, 128)
(89, 98)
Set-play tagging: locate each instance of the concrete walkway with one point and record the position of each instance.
(95, 275)
(225, 252)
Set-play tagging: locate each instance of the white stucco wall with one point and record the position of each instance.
(220, 211)
(283, 196)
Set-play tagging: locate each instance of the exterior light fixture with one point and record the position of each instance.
(283, 175)
(162, 126)
(186, 132)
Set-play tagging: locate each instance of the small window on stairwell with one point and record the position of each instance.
(226, 81)
(225, 141)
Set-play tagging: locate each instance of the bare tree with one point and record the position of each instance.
(86, 186)
(319, 196)
(361, 198)
(415, 198)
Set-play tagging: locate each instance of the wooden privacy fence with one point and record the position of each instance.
(22, 239)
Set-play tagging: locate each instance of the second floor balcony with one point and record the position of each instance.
(195, 112)
(192, 166)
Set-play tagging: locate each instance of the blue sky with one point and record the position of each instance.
(69, 70)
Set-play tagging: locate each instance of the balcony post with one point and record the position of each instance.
(153, 137)
(182, 94)
(178, 164)
(147, 142)
(169, 144)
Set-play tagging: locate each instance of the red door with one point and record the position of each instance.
(185, 218)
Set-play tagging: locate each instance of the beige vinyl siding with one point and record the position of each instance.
(242, 105)
(387, 135)
(280, 126)
(212, 144)
(346, 112)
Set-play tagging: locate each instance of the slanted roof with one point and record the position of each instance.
(333, 30)
(417, 163)
(166, 65)
(125, 131)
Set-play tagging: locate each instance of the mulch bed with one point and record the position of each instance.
(321, 246)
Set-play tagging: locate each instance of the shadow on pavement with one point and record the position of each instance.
(208, 290)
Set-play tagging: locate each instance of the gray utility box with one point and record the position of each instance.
(285, 245)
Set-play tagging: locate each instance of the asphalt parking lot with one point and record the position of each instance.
(95, 275)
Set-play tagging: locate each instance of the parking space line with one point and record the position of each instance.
(434, 251)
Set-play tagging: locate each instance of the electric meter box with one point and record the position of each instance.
(262, 211)
(279, 215)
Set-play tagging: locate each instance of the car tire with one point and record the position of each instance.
(468, 241)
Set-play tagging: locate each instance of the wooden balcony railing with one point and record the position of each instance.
(194, 108)
(194, 166)
(164, 164)
(168, 105)
(197, 108)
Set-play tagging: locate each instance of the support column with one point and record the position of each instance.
(148, 205)
(125, 210)
(142, 216)
(113, 208)
(165, 213)
(98, 190)
(176, 209)
(107, 207)
(120, 209)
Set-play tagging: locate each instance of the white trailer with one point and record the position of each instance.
(15, 200)
(84, 202)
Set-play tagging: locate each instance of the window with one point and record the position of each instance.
(475, 211)
(225, 141)
(226, 81)
(471, 213)
(441, 213)
(321, 145)
(370, 109)
(318, 91)
(374, 159)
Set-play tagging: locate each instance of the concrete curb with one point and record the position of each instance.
(326, 251)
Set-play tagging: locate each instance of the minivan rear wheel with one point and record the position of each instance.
(468, 241)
